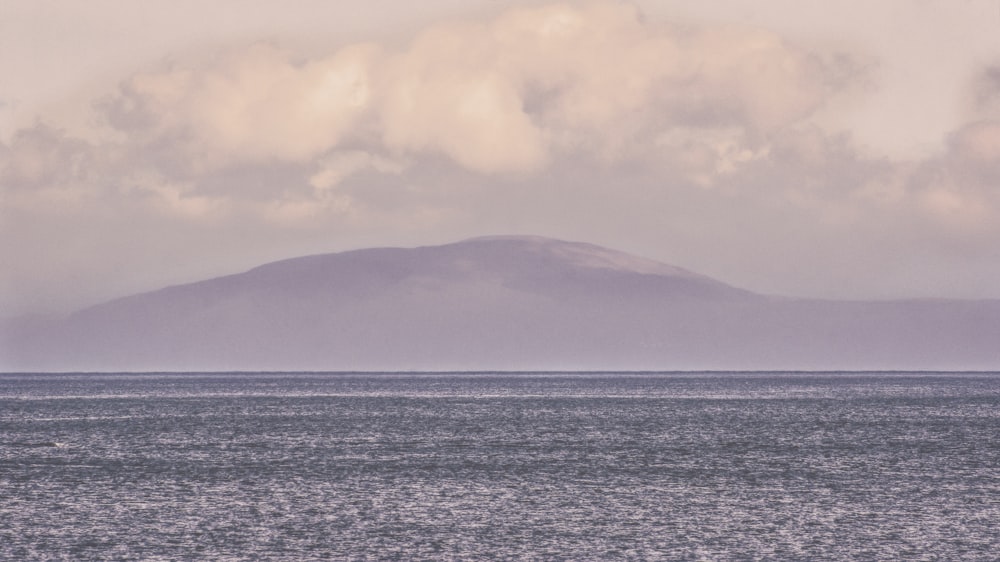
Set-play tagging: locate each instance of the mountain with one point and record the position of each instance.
(497, 303)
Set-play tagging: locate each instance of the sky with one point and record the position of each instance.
(796, 147)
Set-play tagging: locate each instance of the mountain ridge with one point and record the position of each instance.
(498, 302)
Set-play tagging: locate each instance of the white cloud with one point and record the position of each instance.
(505, 95)
(248, 106)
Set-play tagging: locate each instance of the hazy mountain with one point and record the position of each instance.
(497, 303)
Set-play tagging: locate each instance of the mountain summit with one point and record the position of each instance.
(504, 302)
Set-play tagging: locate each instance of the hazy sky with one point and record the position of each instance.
(799, 147)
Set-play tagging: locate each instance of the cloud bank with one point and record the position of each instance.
(501, 96)
(514, 95)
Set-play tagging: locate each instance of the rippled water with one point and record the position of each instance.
(568, 466)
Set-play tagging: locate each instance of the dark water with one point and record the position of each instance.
(675, 466)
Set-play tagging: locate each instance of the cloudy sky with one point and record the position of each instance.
(801, 147)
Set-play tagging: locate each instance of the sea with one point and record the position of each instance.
(500, 466)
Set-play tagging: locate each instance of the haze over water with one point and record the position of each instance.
(551, 466)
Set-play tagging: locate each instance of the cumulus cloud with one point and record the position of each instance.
(711, 106)
(252, 105)
(504, 95)
(261, 130)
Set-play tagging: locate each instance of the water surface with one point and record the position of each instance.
(543, 466)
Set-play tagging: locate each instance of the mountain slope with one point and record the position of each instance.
(498, 303)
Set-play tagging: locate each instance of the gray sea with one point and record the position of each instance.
(573, 466)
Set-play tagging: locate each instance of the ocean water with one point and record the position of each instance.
(677, 466)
